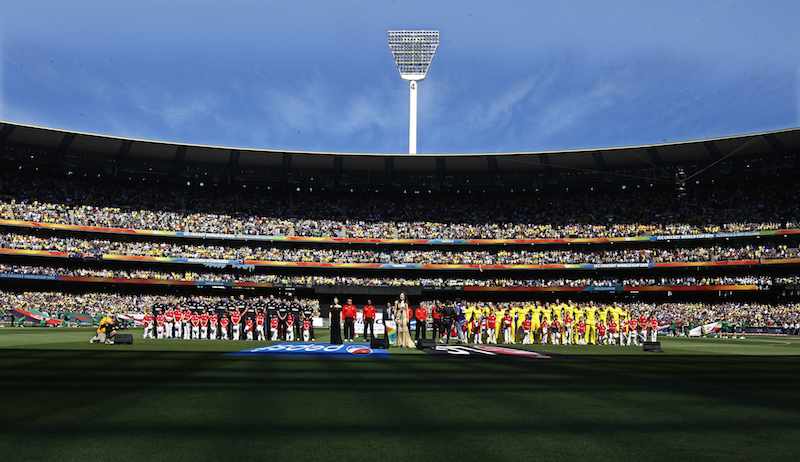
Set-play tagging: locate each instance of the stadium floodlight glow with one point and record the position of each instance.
(413, 52)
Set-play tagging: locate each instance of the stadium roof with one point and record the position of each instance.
(92, 147)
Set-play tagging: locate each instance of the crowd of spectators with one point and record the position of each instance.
(97, 247)
(60, 305)
(353, 281)
(414, 215)
(738, 314)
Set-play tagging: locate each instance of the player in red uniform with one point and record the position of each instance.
(204, 326)
(612, 332)
(527, 338)
(653, 322)
(633, 327)
(249, 327)
(582, 332)
(508, 329)
(475, 327)
(187, 324)
(195, 320)
(491, 326)
(601, 333)
(568, 322)
(223, 325)
(555, 331)
(212, 325)
(307, 329)
(289, 329)
(178, 315)
(544, 328)
(273, 327)
(236, 319)
(160, 321)
(148, 326)
(643, 326)
(168, 318)
(260, 320)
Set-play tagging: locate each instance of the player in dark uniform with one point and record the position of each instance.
(436, 319)
(294, 312)
(448, 316)
(283, 315)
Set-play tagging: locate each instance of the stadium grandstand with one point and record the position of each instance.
(402, 231)
(696, 224)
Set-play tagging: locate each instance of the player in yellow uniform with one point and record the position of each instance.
(536, 315)
(518, 313)
(556, 309)
(591, 325)
(104, 332)
(468, 312)
(547, 311)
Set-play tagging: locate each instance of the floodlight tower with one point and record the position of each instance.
(413, 52)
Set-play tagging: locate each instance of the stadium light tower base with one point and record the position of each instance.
(413, 51)
(412, 117)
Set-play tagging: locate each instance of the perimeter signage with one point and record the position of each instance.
(484, 351)
(356, 349)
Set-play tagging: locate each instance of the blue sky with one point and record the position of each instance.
(317, 75)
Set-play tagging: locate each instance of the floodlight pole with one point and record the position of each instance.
(413, 51)
(412, 117)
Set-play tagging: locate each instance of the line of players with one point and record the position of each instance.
(550, 323)
(535, 323)
(288, 321)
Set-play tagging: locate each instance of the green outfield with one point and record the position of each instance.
(66, 400)
(72, 339)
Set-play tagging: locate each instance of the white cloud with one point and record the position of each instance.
(499, 111)
(318, 107)
(566, 112)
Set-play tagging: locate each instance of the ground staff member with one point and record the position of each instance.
(349, 314)
(369, 320)
(421, 315)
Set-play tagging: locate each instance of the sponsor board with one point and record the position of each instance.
(391, 332)
(513, 352)
(377, 326)
(484, 351)
(355, 350)
(620, 265)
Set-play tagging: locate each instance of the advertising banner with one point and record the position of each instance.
(483, 351)
(391, 332)
(710, 328)
(317, 349)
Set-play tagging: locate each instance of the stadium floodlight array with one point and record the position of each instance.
(413, 52)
